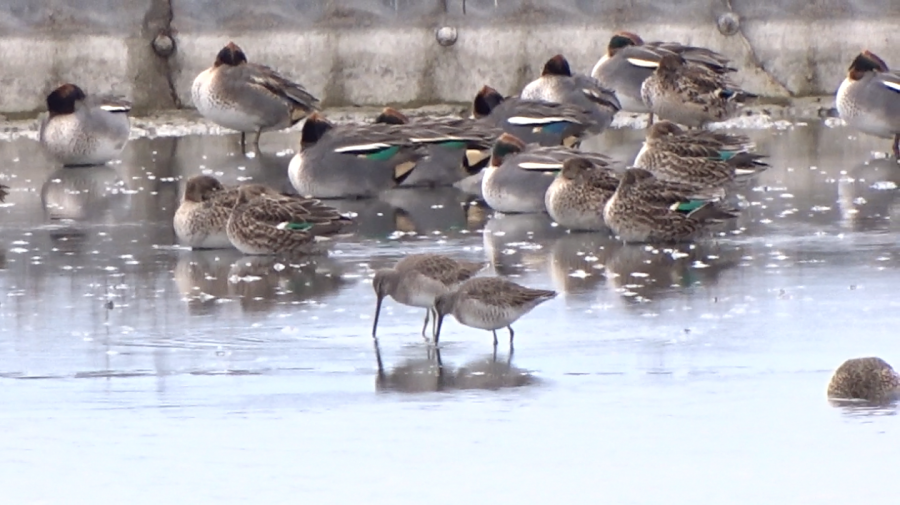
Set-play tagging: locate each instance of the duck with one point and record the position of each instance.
(558, 84)
(519, 174)
(533, 121)
(700, 166)
(202, 215)
(249, 97)
(262, 223)
(629, 61)
(457, 148)
(667, 136)
(576, 198)
(870, 379)
(81, 130)
(869, 98)
(691, 95)
(644, 209)
(351, 160)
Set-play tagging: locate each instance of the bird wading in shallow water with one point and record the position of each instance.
(629, 61)
(489, 303)
(249, 97)
(869, 98)
(689, 94)
(84, 130)
(352, 160)
(265, 224)
(558, 84)
(646, 209)
(418, 279)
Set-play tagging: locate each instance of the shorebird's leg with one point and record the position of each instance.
(425, 326)
(256, 139)
(495, 340)
(495, 354)
(243, 142)
(511, 335)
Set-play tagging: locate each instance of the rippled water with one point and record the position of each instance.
(133, 371)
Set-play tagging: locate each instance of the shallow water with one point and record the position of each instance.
(133, 371)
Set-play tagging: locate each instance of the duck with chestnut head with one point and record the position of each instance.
(82, 130)
(249, 97)
(869, 98)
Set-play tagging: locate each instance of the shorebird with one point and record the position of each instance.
(418, 279)
(488, 303)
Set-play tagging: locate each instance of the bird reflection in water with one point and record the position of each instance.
(430, 373)
(866, 195)
(83, 193)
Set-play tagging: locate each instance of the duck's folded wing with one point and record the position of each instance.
(268, 79)
(111, 103)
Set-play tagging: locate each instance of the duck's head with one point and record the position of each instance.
(574, 168)
(231, 55)
(866, 61)
(663, 128)
(506, 145)
(390, 115)
(622, 39)
(315, 127)
(485, 101)
(62, 99)
(557, 65)
(201, 187)
(671, 63)
(634, 175)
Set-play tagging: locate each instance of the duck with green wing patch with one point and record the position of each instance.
(267, 224)
(646, 209)
(352, 160)
(518, 176)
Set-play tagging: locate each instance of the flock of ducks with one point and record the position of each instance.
(520, 154)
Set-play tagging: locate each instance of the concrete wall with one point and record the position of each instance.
(385, 51)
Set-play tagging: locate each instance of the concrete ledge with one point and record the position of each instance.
(369, 52)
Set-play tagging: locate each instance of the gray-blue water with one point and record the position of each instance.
(132, 371)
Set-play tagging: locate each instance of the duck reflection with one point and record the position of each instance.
(258, 283)
(430, 373)
(514, 243)
(866, 195)
(577, 260)
(644, 273)
(84, 194)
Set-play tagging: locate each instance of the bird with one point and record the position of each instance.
(84, 130)
(267, 224)
(871, 379)
(646, 209)
(417, 279)
(4, 192)
(698, 157)
(517, 178)
(629, 61)
(667, 136)
(689, 94)
(489, 303)
(869, 98)
(206, 205)
(533, 121)
(456, 147)
(558, 84)
(578, 194)
(351, 160)
(249, 97)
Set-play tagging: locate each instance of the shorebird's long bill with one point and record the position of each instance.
(378, 301)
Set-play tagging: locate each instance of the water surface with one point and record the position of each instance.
(134, 371)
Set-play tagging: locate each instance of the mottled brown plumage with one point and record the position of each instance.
(418, 279)
(281, 225)
(489, 303)
(871, 379)
(578, 195)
